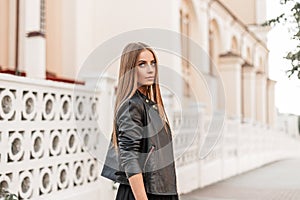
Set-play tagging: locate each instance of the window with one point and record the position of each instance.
(185, 31)
(43, 16)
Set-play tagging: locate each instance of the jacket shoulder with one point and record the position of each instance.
(134, 103)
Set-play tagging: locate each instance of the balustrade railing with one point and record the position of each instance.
(41, 147)
(47, 131)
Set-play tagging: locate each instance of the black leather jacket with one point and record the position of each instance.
(145, 146)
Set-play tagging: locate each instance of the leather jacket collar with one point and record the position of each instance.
(145, 98)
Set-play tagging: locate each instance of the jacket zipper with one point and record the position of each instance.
(149, 154)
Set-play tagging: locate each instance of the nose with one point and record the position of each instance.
(150, 68)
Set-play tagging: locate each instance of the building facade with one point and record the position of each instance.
(55, 38)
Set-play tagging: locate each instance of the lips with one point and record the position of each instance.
(150, 77)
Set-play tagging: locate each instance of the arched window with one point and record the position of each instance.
(234, 45)
(214, 46)
(185, 31)
(249, 56)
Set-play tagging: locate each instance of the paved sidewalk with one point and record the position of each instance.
(275, 181)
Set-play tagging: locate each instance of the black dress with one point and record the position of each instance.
(125, 193)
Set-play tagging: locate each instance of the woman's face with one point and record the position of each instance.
(146, 68)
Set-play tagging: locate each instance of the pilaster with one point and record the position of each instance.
(248, 93)
(230, 70)
(261, 100)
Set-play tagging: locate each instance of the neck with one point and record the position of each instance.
(143, 89)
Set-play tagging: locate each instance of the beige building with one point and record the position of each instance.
(52, 39)
(55, 37)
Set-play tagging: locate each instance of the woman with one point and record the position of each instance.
(140, 156)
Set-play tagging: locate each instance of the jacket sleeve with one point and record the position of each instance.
(130, 135)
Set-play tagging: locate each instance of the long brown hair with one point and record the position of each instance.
(127, 82)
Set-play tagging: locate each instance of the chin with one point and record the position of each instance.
(149, 84)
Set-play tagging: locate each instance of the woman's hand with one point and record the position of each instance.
(137, 187)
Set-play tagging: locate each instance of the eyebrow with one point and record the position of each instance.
(145, 61)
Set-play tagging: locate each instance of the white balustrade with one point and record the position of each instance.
(45, 128)
(49, 132)
(242, 147)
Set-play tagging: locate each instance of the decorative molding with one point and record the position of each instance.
(35, 34)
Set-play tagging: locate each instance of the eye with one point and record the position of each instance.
(153, 63)
(142, 64)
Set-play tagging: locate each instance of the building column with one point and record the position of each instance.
(4, 33)
(261, 98)
(34, 50)
(248, 93)
(54, 40)
(65, 29)
(11, 31)
(203, 19)
(230, 70)
(271, 114)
